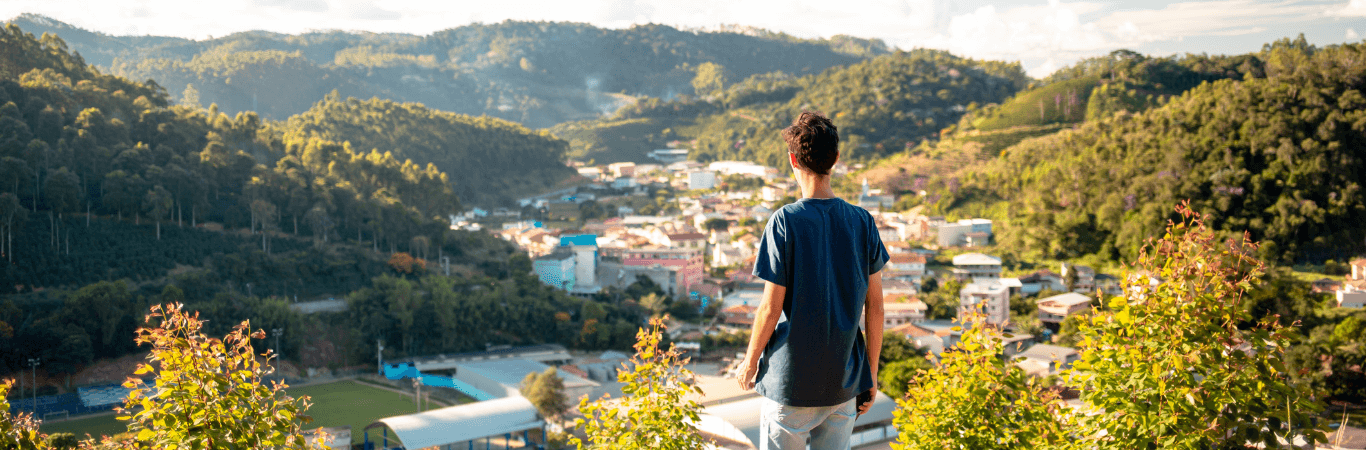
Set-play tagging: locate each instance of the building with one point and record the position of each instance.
(687, 240)
(571, 266)
(1042, 360)
(873, 198)
(1352, 293)
(976, 266)
(741, 315)
(745, 168)
(674, 269)
(905, 266)
(957, 234)
(1053, 310)
(701, 179)
(1086, 277)
(989, 297)
(622, 169)
(1044, 279)
(909, 311)
(556, 269)
(1325, 285)
(930, 340)
(668, 155)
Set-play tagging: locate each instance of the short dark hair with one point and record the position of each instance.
(815, 141)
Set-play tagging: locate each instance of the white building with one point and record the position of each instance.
(1058, 307)
(976, 266)
(989, 297)
(701, 179)
(966, 232)
(742, 168)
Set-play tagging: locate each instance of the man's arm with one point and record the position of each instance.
(765, 319)
(872, 326)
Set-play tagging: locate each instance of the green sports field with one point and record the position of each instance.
(335, 404)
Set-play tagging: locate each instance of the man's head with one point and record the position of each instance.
(814, 142)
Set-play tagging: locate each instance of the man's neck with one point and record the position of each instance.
(814, 186)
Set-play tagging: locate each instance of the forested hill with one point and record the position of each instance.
(1277, 148)
(882, 105)
(536, 73)
(74, 142)
(490, 161)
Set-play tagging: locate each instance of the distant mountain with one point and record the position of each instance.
(882, 106)
(536, 73)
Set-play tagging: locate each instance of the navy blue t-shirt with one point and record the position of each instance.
(822, 251)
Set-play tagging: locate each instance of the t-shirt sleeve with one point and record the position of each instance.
(770, 263)
(877, 253)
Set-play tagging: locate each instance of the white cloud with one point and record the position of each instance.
(1352, 35)
(1354, 8)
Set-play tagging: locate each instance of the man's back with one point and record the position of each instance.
(823, 251)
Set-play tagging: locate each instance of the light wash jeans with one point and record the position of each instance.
(783, 427)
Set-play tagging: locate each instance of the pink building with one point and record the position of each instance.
(685, 264)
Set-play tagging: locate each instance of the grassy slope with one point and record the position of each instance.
(1051, 104)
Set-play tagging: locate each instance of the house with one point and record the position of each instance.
(956, 234)
(1352, 294)
(908, 310)
(1042, 360)
(930, 340)
(873, 198)
(1325, 285)
(1086, 277)
(687, 240)
(742, 315)
(1044, 279)
(676, 268)
(1359, 269)
(989, 297)
(905, 266)
(556, 269)
(893, 288)
(701, 179)
(888, 233)
(1107, 283)
(976, 266)
(622, 169)
(1053, 310)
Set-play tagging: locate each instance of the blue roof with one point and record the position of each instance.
(582, 239)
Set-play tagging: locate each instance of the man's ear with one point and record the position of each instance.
(792, 159)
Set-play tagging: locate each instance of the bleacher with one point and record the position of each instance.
(85, 400)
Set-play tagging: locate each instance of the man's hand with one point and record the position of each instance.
(864, 407)
(749, 370)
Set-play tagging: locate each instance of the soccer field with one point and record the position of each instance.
(335, 404)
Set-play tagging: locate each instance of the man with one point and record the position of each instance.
(820, 258)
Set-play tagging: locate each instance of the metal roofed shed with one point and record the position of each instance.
(463, 423)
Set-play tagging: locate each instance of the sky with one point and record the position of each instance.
(1043, 35)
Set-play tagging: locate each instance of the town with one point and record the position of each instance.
(698, 247)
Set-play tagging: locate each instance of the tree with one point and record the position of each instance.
(897, 376)
(716, 224)
(208, 393)
(1167, 366)
(654, 412)
(158, 203)
(546, 391)
(710, 79)
(975, 399)
(895, 347)
(17, 431)
(11, 211)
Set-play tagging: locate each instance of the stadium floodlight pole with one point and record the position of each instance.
(379, 355)
(33, 363)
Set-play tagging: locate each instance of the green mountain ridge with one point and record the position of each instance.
(536, 73)
(1273, 147)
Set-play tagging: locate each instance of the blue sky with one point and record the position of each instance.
(1042, 34)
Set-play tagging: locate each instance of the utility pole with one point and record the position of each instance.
(417, 394)
(276, 332)
(33, 362)
(379, 355)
